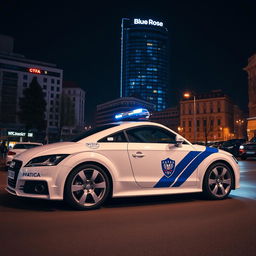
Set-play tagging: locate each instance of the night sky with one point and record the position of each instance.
(210, 42)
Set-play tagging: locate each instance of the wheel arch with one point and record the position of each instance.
(226, 163)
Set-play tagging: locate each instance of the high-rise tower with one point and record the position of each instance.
(144, 61)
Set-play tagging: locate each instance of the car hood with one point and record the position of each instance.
(203, 148)
(51, 149)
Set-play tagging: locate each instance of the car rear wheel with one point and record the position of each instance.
(87, 187)
(218, 181)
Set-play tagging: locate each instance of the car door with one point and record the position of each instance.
(114, 147)
(156, 160)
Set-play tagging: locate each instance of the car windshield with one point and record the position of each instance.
(228, 143)
(93, 131)
(25, 146)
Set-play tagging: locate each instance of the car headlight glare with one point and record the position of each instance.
(241, 147)
(49, 160)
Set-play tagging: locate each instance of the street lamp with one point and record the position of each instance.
(188, 95)
(238, 131)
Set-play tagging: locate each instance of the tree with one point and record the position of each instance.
(208, 127)
(32, 107)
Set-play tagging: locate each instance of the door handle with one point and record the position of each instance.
(138, 155)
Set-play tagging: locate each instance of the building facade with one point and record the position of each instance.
(16, 73)
(144, 61)
(73, 104)
(106, 112)
(212, 121)
(251, 70)
(169, 117)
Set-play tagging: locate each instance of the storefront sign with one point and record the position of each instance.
(19, 134)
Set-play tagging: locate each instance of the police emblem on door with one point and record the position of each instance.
(168, 167)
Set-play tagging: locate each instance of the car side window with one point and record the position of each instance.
(150, 135)
(19, 146)
(116, 137)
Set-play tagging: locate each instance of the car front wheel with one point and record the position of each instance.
(218, 181)
(87, 187)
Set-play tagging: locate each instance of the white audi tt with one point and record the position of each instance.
(120, 160)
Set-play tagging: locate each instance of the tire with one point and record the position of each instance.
(87, 187)
(218, 181)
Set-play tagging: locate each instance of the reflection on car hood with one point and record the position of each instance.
(50, 149)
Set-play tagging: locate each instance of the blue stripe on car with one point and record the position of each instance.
(193, 165)
(167, 182)
(185, 167)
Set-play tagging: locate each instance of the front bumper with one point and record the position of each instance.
(247, 153)
(40, 182)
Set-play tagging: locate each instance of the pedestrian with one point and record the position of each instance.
(3, 152)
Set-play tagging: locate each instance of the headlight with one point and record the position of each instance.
(241, 147)
(48, 160)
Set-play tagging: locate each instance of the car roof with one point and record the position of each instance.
(122, 126)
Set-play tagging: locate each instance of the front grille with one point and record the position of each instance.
(16, 169)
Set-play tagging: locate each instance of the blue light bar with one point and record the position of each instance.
(133, 115)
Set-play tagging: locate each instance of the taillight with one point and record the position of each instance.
(11, 153)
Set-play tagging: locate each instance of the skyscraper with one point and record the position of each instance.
(144, 61)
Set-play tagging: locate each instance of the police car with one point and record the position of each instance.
(122, 159)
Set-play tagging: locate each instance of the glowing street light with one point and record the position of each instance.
(188, 95)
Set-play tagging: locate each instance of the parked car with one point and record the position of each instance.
(232, 146)
(19, 148)
(217, 144)
(248, 149)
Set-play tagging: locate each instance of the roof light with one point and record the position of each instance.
(136, 114)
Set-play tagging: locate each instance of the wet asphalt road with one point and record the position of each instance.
(167, 225)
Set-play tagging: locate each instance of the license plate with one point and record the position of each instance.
(11, 174)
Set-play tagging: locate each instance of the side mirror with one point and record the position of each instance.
(179, 141)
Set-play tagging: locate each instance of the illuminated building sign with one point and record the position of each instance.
(34, 70)
(19, 134)
(30, 70)
(148, 22)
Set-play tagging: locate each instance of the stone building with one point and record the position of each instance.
(169, 117)
(213, 119)
(251, 70)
